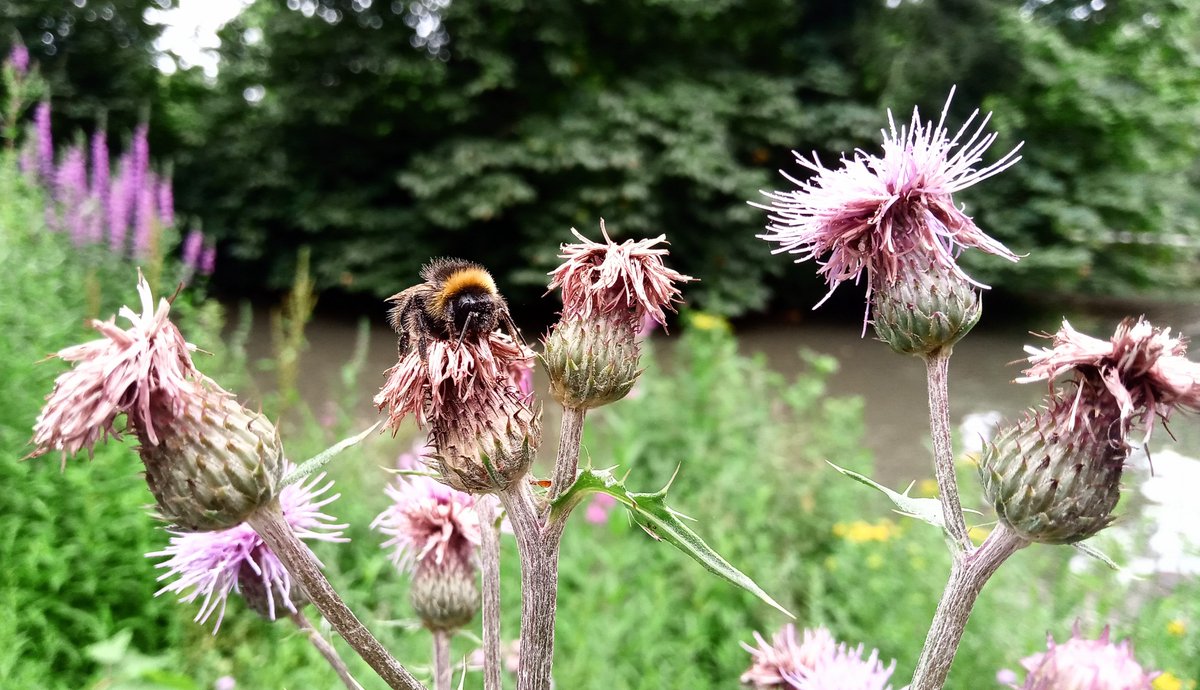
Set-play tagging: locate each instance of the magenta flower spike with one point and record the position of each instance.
(144, 219)
(118, 210)
(45, 141)
(70, 191)
(166, 202)
(100, 170)
(208, 260)
(18, 57)
(209, 566)
(193, 244)
(873, 212)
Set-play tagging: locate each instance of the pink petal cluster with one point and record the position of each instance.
(428, 519)
(144, 371)
(873, 211)
(816, 663)
(1143, 370)
(206, 566)
(605, 278)
(1080, 664)
(454, 377)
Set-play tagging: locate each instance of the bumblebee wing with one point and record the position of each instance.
(404, 301)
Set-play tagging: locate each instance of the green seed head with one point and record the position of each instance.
(444, 595)
(592, 362)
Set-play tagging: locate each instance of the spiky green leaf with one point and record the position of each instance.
(314, 464)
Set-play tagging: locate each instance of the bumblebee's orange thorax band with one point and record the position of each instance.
(475, 280)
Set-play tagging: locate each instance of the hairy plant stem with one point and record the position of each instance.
(270, 524)
(937, 372)
(326, 650)
(490, 548)
(441, 660)
(967, 578)
(538, 539)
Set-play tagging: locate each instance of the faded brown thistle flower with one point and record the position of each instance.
(209, 461)
(608, 290)
(1054, 476)
(482, 428)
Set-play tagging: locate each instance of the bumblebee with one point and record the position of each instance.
(457, 300)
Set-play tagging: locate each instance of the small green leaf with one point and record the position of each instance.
(924, 509)
(660, 521)
(312, 465)
(1099, 555)
(109, 652)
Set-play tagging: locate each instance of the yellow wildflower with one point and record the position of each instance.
(861, 531)
(1177, 628)
(709, 322)
(1167, 681)
(927, 488)
(978, 534)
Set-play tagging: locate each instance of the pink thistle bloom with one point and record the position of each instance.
(207, 566)
(428, 520)
(605, 277)
(452, 378)
(1142, 369)
(124, 372)
(817, 663)
(875, 210)
(1080, 664)
(18, 57)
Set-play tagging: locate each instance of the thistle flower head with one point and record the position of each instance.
(816, 663)
(609, 278)
(1143, 371)
(874, 211)
(1081, 664)
(428, 521)
(124, 372)
(208, 566)
(482, 428)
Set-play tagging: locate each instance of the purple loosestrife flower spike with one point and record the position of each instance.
(209, 461)
(143, 227)
(208, 260)
(208, 566)
(1080, 664)
(70, 191)
(1055, 475)
(874, 212)
(166, 202)
(45, 141)
(118, 210)
(434, 532)
(816, 663)
(18, 57)
(100, 170)
(609, 290)
(192, 246)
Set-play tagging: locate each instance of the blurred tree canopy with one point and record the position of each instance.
(384, 132)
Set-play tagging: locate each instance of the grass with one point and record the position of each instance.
(749, 446)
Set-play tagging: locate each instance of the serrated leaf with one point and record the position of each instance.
(315, 463)
(1089, 550)
(924, 509)
(661, 522)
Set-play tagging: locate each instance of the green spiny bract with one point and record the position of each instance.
(924, 309)
(214, 464)
(592, 362)
(1052, 484)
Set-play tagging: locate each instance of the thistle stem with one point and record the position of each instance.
(967, 578)
(566, 465)
(270, 524)
(538, 548)
(326, 650)
(937, 371)
(490, 548)
(441, 660)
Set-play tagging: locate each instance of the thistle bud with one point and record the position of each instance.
(484, 451)
(609, 290)
(445, 595)
(1051, 482)
(925, 308)
(592, 363)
